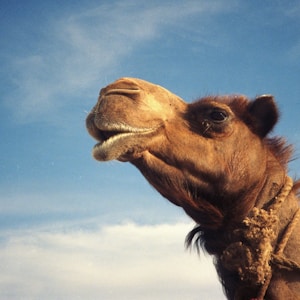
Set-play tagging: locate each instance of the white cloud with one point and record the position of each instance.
(113, 262)
(82, 49)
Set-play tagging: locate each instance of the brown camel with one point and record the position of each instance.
(214, 159)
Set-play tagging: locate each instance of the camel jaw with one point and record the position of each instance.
(119, 142)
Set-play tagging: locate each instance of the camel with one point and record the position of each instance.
(213, 158)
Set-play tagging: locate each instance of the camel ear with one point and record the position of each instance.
(264, 114)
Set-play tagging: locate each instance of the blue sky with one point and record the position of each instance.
(74, 228)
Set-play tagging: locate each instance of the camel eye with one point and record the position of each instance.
(218, 116)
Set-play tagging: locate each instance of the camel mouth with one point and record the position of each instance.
(119, 142)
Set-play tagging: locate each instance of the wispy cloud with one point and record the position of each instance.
(80, 50)
(291, 9)
(113, 262)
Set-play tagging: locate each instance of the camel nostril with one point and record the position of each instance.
(122, 92)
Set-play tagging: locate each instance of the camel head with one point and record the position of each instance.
(213, 158)
(204, 156)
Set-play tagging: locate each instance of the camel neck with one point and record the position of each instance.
(273, 181)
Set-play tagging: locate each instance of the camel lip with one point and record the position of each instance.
(116, 140)
(109, 142)
(111, 137)
(113, 143)
(105, 132)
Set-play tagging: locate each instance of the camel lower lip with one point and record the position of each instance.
(118, 145)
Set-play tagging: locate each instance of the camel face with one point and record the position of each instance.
(129, 114)
(213, 144)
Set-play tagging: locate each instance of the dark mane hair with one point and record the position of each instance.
(280, 149)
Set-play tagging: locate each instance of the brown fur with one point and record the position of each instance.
(212, 157)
